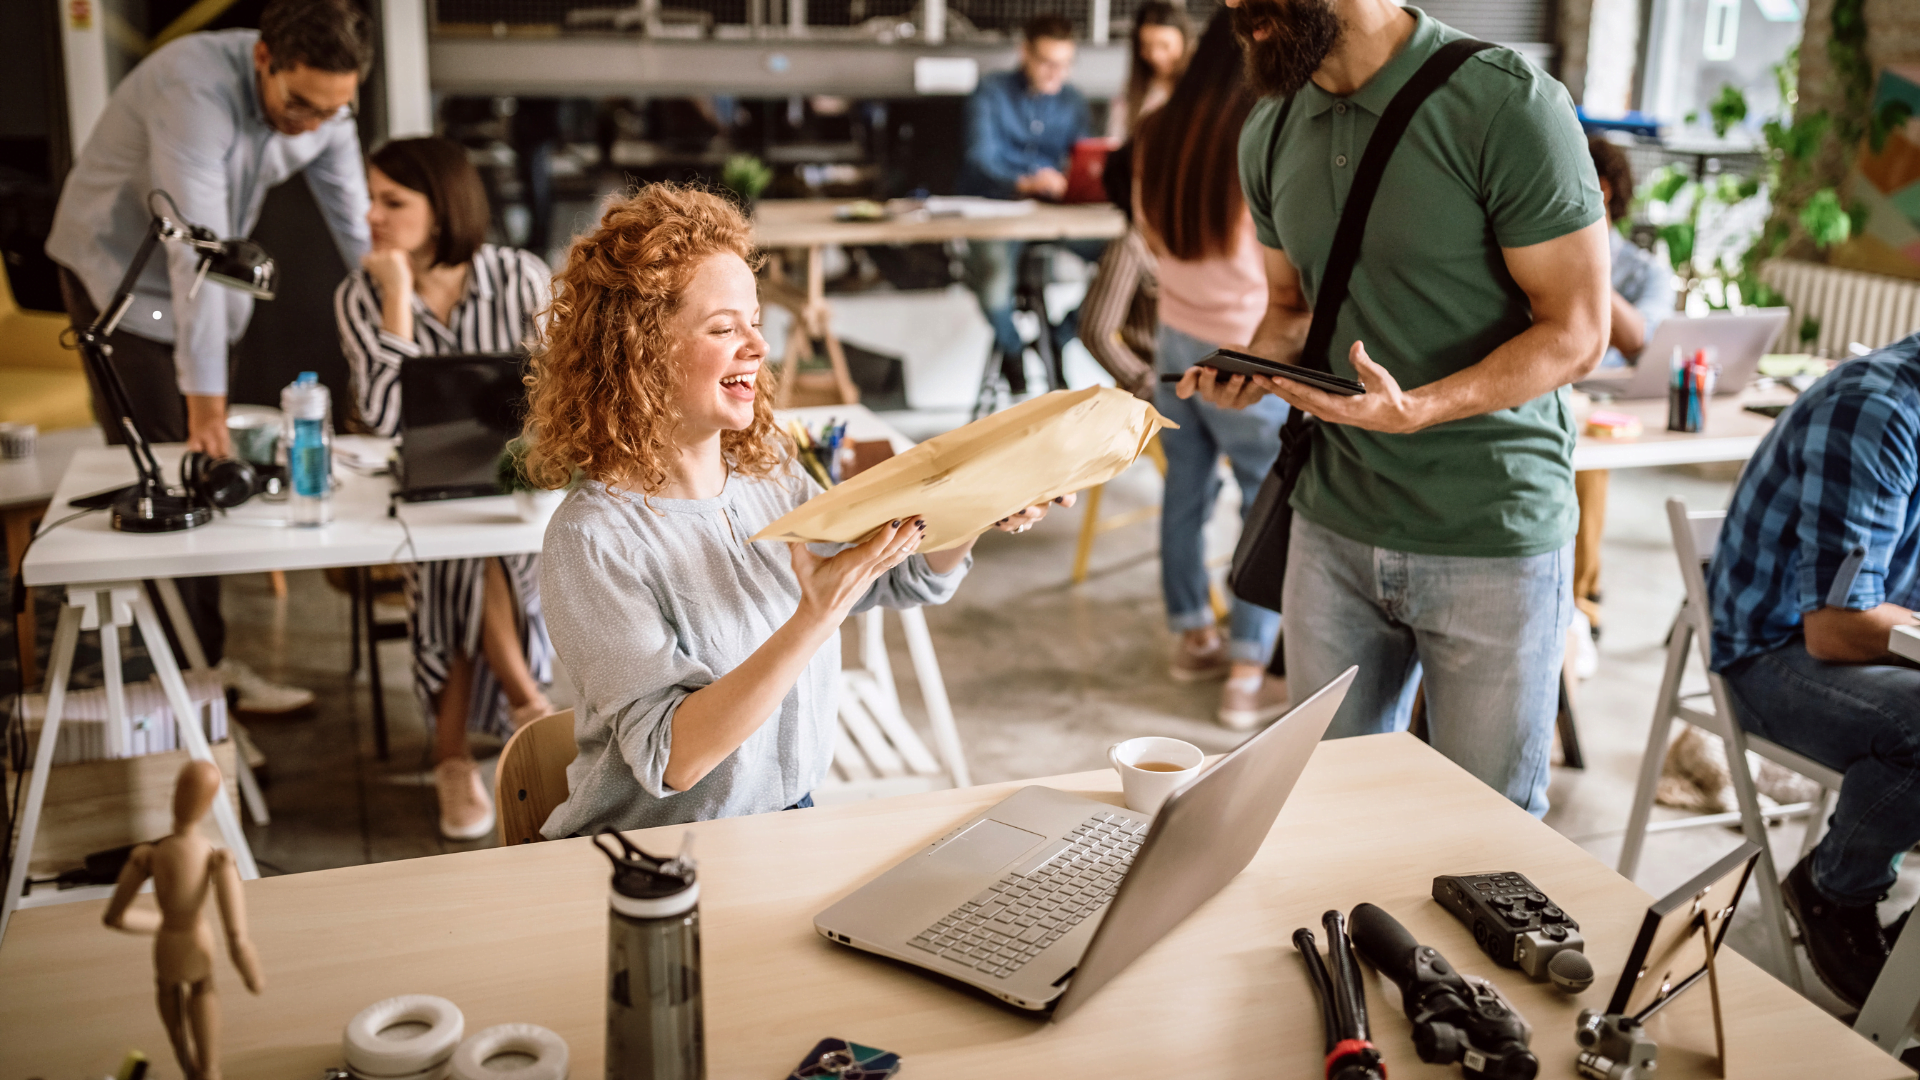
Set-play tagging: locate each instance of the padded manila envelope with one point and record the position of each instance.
(964, 481)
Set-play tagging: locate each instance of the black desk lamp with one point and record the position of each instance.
(237, 263)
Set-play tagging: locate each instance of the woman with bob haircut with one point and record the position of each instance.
(705, 665)
(432, 286)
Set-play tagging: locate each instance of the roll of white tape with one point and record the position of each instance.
(548, 1051)
(403, 1036)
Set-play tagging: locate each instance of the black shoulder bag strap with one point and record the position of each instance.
(1260, 558)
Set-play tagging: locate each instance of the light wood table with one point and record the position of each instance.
(519, 934)
(809, 225)
(1906, 642)
(1732, 433)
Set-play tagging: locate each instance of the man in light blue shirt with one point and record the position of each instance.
(1021, 127)
(214, 120)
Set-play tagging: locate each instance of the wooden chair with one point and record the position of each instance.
(531, 777)
(1694, 537)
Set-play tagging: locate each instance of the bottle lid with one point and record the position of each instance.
(646, 886)
(307, 378)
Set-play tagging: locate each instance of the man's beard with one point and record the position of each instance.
(1301, 34)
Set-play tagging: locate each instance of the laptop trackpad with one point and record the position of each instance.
(984, 848)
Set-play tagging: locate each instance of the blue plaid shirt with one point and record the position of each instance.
(1826, 514)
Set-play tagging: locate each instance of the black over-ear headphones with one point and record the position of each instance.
(225, 482)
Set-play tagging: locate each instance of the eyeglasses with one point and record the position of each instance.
(299, 109)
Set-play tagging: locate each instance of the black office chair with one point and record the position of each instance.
(1029, 295)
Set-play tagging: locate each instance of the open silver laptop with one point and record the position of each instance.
(1047, 896)
(1741, 341)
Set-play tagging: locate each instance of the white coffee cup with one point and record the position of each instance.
(1151, 767)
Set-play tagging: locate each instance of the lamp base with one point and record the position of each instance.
(134, 512)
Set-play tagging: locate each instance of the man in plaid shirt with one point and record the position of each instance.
(1818, 561)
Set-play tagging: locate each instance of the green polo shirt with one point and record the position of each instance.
(1494, 159)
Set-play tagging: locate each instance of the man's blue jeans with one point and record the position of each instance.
(992, 269)
(1861, 719)
(1488, 633)
(1250, 439)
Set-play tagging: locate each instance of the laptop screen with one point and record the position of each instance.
(457, 414)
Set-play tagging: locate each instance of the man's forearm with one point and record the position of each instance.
(1282, 333)
(1840, 636)
(1542, 358)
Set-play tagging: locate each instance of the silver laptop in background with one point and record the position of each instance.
(1045, 897)
(1741, 341)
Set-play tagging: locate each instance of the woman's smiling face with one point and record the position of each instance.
(718, 350)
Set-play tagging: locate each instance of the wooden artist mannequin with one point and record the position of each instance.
(184, 866)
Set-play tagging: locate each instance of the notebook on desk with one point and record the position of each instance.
(1044, 898)
(457, 414)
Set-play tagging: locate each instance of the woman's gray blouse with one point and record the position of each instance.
(649, 600)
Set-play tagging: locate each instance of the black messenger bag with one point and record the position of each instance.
(1260, 558)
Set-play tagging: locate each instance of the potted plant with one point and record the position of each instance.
(534, 503)
(746, 176)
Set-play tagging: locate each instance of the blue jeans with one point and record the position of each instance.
(992, 269)
(1487, 632)
(1250, 439)
(1861, 719)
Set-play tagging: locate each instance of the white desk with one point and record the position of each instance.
(1732, 434)
(1906, 642)
(25, 487)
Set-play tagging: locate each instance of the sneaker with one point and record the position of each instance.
(522, 715)
(1245, 707)
(1199, 665)
(466, 813)
(1844, 941)
(257, 695)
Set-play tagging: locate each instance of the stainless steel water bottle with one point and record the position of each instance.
(655, 1027)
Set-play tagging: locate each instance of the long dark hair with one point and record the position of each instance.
(1187, 152)
(1140, 76)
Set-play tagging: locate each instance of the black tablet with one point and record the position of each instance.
(1227, 363)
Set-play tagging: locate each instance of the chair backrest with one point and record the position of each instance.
(531, 777)
(1695, 534)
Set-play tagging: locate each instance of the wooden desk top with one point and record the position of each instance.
(779, 223)
(519, 934)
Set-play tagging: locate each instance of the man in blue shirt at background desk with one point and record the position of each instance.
(1818, 561)
(1021, 127)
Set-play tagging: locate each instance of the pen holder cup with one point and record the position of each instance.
(1687, 398)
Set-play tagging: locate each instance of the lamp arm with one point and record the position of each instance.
(96, 353)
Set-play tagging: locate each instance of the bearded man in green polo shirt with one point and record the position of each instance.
(1433, 524)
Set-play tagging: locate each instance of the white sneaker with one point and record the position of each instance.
(257, 695)
(466, 813)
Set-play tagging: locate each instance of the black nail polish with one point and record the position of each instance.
(921, 525)
(896, 523)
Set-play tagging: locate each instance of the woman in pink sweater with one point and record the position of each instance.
(1213, 292)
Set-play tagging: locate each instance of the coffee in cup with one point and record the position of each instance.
(1152, 767)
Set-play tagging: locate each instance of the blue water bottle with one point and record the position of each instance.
(308, 437)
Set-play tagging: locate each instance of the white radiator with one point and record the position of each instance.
(1872, 309)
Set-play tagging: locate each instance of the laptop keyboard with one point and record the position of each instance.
(1005, 926)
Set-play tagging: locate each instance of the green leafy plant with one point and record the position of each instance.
(746, 176)
(1727, 108)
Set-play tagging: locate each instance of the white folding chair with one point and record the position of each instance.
(1886, 1018)
(876, 751)
(1694, 537)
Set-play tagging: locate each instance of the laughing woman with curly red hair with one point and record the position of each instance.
(705, 665)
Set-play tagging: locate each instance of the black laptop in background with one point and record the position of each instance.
(457, 414)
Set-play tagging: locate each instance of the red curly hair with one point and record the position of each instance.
(601, 388)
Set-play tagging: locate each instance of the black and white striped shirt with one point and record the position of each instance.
(506, 289)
